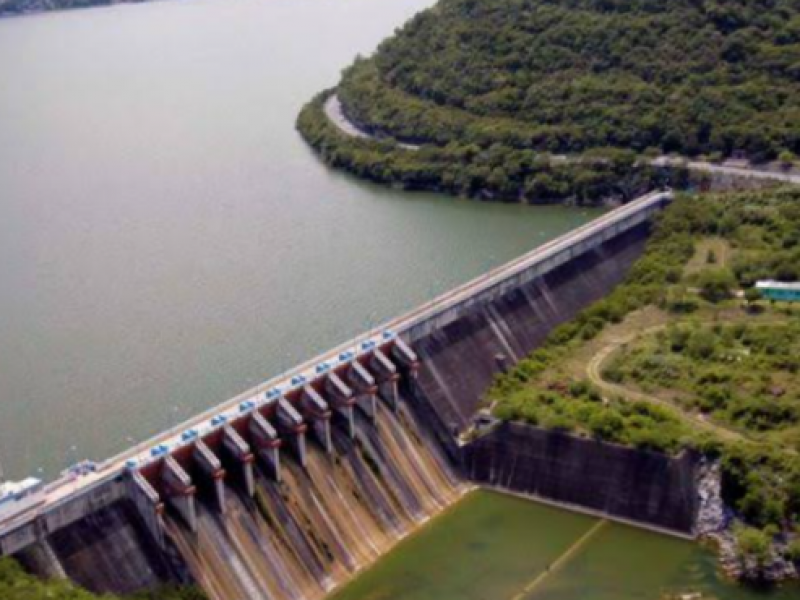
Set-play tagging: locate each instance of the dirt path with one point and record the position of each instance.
(594, 370)
(595, 366)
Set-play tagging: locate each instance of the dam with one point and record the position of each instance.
(289, 489)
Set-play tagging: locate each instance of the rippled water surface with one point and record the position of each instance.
(167, 240)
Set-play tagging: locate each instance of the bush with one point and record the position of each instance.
(752, 544)
(716, 285)
(793, 551)
(702, 344)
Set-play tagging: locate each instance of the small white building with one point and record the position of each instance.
(779, 290)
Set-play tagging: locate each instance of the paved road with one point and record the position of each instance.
(335, 113)
(333, 110)
(727, 170)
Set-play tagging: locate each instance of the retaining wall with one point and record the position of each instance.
(459, 359)
(636, 485)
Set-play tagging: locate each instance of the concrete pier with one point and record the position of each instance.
(212, 471)
(292, 427)
(365, 387)
(179, 491)
(387, 377)
(343, 401)
(266, 442)
(319, 415)
(403, 353)
(149, 506)
(239, 452)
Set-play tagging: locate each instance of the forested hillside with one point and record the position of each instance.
(694, 77)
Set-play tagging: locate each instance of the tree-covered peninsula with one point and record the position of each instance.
(541, 100)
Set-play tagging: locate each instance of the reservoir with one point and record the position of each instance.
(167, 238)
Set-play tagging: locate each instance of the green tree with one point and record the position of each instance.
(716, 285)
(787, 159)
(753, 543)
(752, 295)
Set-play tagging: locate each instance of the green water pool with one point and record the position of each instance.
(496, 547)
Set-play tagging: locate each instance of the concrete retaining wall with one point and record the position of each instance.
(623, 483)
(109, 550)
(64, 513)
(459, 360)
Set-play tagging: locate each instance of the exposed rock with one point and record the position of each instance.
(715, 522)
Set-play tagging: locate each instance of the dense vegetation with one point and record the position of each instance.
(494, 172)
(743, 374)
(15, 584)
(518, 79)
(691, 76)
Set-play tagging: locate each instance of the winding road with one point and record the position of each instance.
(335, 113)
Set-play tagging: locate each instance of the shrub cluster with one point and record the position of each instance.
(493, 172)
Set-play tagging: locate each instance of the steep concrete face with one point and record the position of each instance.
(40, 558)
(459, 361)
(629, 484)
(110, 551)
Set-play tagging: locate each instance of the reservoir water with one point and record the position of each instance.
(168, 240)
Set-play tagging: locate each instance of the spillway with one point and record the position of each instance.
(310, 532)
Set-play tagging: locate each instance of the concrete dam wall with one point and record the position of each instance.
(107, 551)
(634, 485)
(289, 489)
(459, 360)
(313, 513)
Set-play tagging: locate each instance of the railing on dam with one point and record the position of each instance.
(396, 335)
